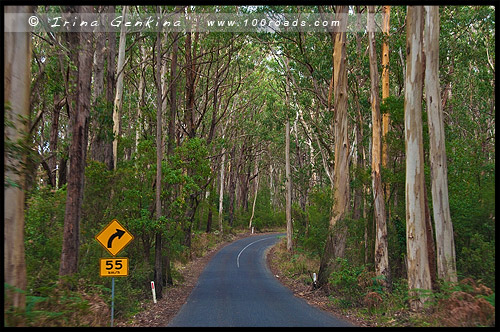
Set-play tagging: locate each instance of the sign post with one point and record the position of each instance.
(114, 237)
(112, 299)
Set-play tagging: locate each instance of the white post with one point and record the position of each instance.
(153, 290)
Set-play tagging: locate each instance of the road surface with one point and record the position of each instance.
(237, 289)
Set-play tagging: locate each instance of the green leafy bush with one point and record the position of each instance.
(44, 223)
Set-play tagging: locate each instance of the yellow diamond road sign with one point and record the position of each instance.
(114, 237)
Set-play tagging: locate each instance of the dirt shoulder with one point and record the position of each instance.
(316, 298)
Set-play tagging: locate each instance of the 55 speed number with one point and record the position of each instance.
(113, 267)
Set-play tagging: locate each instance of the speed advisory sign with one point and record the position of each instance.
(113, 267)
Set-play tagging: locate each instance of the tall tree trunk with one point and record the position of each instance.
(191, 70)
(140, 102)
(117, 108)
(288, 176)
(17, 80)
(210, 204)
(222, 171)
(385, 94)
(232, 184)
(359, 205)
(221, 190)
(77, 153)
(446, 263)
(54, 129)
(381, 245)
(255, 192)
(337, 230)
(416, 237)
(159, 155)
(171, 133)
(385, 81)
(173, 95)
(96, 139)
(106, 143)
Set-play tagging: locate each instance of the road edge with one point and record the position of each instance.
(315, 298)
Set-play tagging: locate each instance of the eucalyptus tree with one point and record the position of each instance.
(118, 103)
(381, 245)
(445, 243)
(17, 78)
(78, 151)
(337, 232)
(419, 276)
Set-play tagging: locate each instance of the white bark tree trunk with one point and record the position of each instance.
(17, 66)
(416, 238)
(140, 103)
(446, 263)
(337, 233)
(119, 88)
(256, 191)
(221, 191)
(381, 245)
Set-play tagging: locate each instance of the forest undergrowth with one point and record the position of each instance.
(354, 291)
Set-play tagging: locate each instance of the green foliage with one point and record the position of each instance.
(345, 282)
(56, 305)
(44, 222)
(478, 260)
(318, 213)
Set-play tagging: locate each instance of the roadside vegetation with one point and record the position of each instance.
(355, 291)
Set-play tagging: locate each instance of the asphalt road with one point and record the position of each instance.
(237, 289)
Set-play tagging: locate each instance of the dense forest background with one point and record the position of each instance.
(187, 137)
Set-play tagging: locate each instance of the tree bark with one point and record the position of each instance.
(53, 139)
(110, 92)
(117, 108)
(381, 245)
(140, 102)
(385, 82)
(96, 140)
(232, 184)
(17, 79)
(159, 155)
(221, 190)
(288, 176)
(256, 191)
(173, 95)
(416, 238)
(385, 94)
(337, 231)
(446, 262)
(77, 153)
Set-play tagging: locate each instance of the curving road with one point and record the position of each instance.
(237, 289)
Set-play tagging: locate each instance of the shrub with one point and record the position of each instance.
(44, 222)
(350, 282)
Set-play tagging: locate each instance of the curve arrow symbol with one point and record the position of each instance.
(119, 233)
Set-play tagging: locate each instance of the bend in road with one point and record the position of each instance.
(237, 289)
